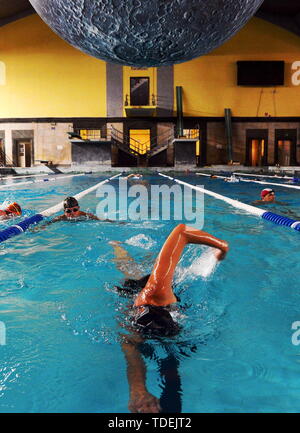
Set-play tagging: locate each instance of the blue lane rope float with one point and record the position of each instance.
(281, 220)
(269, 216)
(22, 226)
(17, 229)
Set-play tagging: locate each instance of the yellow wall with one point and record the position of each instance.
(209, 82)
(46, 77)
(42, 76)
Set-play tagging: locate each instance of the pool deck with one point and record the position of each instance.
(43, 169)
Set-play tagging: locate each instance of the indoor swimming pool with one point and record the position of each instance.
(64, 318)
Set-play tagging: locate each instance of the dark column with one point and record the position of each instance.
(165, 91)
(114, 90)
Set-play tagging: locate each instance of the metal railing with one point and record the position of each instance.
(153, 101)
(89, 134)
(192, 133)
(124, 142)
(136, 148)
(4, 160)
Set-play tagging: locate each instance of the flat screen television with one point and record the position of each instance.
(260, 73)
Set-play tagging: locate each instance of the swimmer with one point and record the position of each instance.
(213, 176)
(232, 179)
(11, 210)
(134, 176)
(294, 180)
(267, 196)
(72, 212)
(153, 304)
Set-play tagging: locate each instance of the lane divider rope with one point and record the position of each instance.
(22, 226)
(254, 181)
(269, 216)
(49, 179)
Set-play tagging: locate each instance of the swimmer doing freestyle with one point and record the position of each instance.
(11, 210)
(152, 306)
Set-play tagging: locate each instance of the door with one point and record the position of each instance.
(257, 152)
(284, 152)
(23, 153)
(256, 147)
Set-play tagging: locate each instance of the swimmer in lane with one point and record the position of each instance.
(134, 176)
(267, 196)
(152, 306)
(72, 212)
(11, 210)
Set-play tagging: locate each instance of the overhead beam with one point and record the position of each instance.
(285, 21)
(17, 16)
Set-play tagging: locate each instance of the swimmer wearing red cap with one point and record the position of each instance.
(267, 196)
(11, 211)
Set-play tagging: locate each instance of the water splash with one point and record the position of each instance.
(202, 266)
(141, 241)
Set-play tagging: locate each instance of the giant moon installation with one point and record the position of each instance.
(146, 32)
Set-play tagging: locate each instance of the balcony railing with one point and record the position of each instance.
(147, 110)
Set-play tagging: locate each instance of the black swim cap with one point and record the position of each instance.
(70, 202)
(156, 321)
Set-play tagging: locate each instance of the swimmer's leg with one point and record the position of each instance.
(170, 400)
(158, 290)
(124, 262)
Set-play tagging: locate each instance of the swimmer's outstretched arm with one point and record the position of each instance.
(158, 290)
(141, 401)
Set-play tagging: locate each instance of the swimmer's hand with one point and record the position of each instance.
(144, 402)
(221, 253)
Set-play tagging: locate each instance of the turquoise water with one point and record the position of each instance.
(62, 313)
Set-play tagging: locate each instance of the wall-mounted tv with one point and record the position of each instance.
(260, 73)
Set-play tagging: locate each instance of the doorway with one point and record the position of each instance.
(285, 147)
(284, 152)
(23, 152)
(257, 151)
(256, 147)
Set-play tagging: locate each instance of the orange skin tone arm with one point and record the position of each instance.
(158, 290)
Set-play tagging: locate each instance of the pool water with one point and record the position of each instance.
(62, 312)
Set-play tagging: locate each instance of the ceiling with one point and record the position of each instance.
(284, 13)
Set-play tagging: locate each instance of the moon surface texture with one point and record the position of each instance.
(146, 32)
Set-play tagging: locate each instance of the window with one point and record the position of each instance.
(139, 91)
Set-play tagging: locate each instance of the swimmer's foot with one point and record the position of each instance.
(144, 402)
